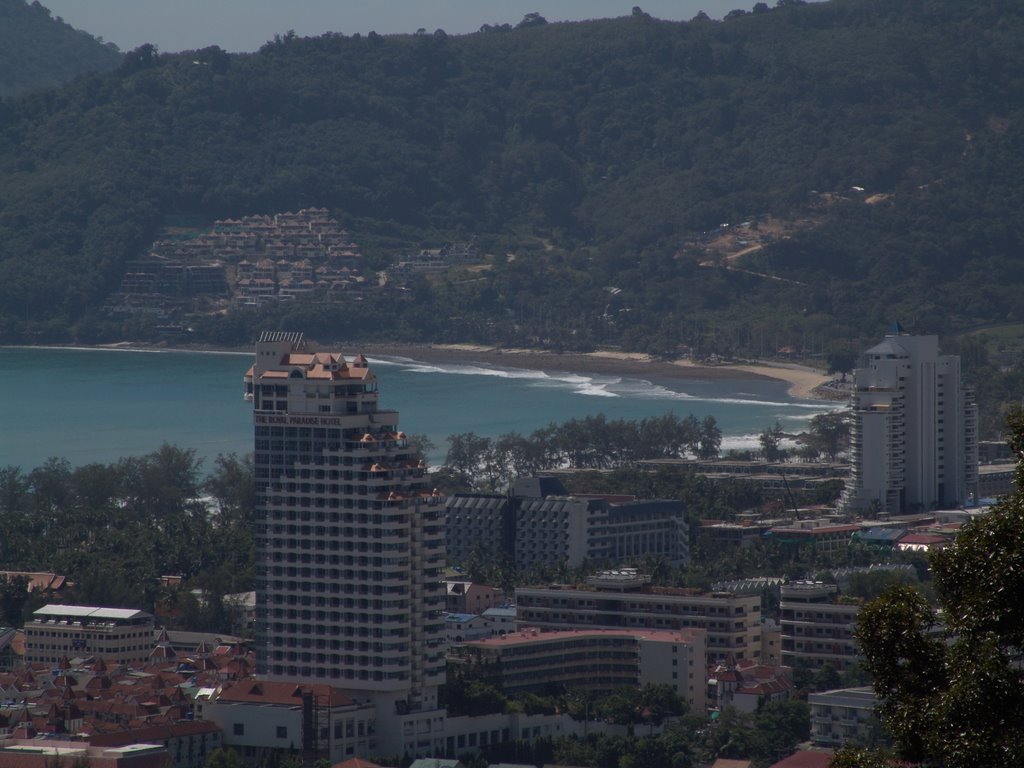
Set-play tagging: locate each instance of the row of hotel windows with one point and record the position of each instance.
(346, 729)
(72, 647)
(315, 473)
(616, 605)
(334, 573)
(360, 484)
(302, 506)
(308, 630)
(321, 559)
(113, 634)
(348, 532)
(348, 518)
(336, 545)
(352, 618)
(334, 587)
(335, 673)
(336, 659)
(628, 621)
(337, 645)
(361, 604)
(313, 468)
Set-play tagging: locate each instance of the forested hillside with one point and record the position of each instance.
(587, 159)
(39, 51)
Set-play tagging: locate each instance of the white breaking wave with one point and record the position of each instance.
(740, 443)
(659, 392)
(591, 386)
(597, 386)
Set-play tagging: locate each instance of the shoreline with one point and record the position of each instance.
(802, 380)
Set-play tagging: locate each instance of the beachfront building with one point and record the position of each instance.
(595, 660)
(540, 523)
(349, 541)
(118, 635)
(625, 599)
(914, 443)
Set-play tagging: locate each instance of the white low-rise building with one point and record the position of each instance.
(119, 635)
(462, 627)
(262, 719)
(844, 715)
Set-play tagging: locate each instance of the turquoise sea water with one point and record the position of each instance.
(90, 405)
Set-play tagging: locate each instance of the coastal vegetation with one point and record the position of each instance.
(593, 442)
(865, 155)
(116, 529)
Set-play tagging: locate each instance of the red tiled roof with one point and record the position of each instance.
(265, 692)
(805, 759)
(153, 733)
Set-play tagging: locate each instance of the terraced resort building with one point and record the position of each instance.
(349, 541)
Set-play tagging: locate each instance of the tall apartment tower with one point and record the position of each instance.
(914, 432)
(349, 541)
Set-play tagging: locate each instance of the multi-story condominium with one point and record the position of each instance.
(625, 600)
(597, 660)
(540, 524)
(118, 635)
(845, 715)
(349, 541)
(817, 630)
(478, 525)
(914, 443)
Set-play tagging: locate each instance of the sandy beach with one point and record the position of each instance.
(802, 380)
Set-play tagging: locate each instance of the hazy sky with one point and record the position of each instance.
(244, 25)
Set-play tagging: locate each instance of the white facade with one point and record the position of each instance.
(844, 715)
(914, 432)
(462, 627)
(118, 635)
(598, 660)
(259, 718)
(349, 540)
(500, 620)
(733, 622)
(815, 629)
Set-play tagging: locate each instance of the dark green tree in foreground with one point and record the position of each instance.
(955, 697)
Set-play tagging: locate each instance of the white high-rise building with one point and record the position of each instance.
(914, 440)
(349, 542)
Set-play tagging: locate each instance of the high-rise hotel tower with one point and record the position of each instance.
(914, 443)
(349, 540)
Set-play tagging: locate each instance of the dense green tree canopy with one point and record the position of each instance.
(38, 51)
(605, 144)
(115, 529)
